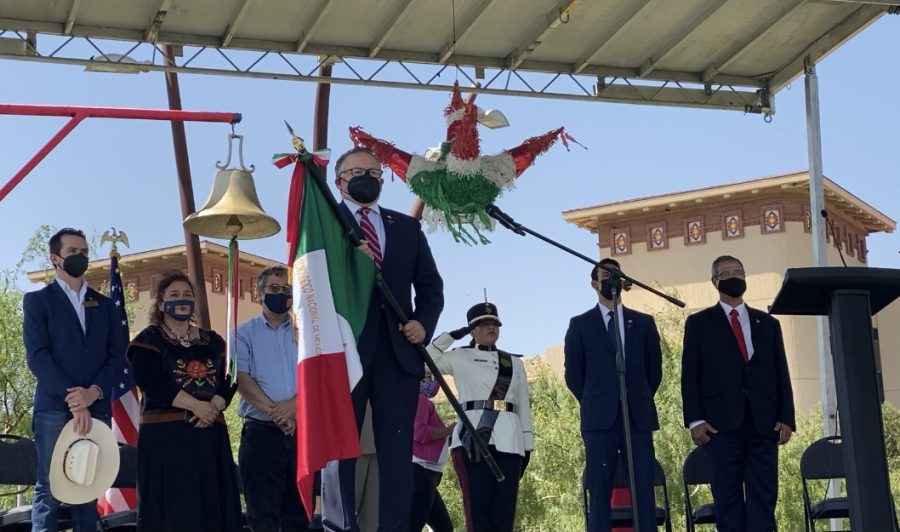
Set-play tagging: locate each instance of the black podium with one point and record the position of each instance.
(849, 296)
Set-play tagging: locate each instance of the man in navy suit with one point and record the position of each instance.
(75, 346)
(392, 367)
(591, 375)
(738, 400)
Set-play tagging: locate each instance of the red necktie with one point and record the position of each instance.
(739, 335)
(368, 231)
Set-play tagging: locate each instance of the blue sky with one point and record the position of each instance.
(122, 173)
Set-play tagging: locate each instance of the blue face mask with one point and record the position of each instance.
(277, 303)
(429, 388)
(171, 308)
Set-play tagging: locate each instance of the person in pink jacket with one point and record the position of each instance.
(430, 454)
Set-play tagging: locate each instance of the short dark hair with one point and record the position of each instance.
(278, 271)
(720, 260)
(595, 275)
(348, 153)
(167, 279)
(55, 243)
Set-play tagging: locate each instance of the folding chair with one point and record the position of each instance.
(622, 515)
(19, 459)
(124, 520)
(694, 473)
(823, 460)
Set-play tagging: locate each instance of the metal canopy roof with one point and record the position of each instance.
(731, 54)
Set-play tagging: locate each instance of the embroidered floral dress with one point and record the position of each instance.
(186, 475)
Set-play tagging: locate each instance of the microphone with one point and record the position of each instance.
(504, 219)
(834, 235)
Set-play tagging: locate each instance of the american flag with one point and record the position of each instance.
(125, 408)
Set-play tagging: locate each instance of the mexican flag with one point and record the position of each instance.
(333, 284)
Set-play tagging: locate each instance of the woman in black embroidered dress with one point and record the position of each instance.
(186, 473)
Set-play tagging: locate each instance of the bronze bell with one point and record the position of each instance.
(232, 209)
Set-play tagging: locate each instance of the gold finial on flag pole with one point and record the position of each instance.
(112, 236)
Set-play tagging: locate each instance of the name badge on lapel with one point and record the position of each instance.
(91, 303)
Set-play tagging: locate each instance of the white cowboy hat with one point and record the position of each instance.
(83, 467)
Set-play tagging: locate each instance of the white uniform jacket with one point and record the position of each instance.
(474, 372)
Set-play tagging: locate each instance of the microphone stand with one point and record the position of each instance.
(615, 276)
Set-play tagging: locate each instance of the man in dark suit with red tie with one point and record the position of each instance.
(738, 400)
(591, 375)
(392, 367)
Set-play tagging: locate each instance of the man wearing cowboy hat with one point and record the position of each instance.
(75, 346)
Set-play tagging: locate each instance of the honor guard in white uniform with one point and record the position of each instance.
(493, 390)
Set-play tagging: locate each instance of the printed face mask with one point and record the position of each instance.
(429, 388)
(171, 308)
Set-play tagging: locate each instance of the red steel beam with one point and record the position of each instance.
(77, 114)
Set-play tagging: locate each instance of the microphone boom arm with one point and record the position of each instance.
(507, 221)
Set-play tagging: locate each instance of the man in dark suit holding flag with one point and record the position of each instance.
(738, 401)
(392, 367)
(591, 375)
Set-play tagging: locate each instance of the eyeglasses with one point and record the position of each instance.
(356, 172)
(739, 274)
(276, 288)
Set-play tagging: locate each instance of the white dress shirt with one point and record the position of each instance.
(76, 298)
(607, 315)
(474, 373)
(374, 217)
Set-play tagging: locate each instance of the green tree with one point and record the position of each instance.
(16, 380)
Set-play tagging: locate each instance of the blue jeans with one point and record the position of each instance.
(47, 424)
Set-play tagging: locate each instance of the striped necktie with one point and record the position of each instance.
(368, 231)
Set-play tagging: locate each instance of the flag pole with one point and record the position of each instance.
(304, 157)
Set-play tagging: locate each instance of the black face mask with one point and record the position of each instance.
(606, 289)
(734, 287)
(277, 303)
(75, 265)
(364, 188)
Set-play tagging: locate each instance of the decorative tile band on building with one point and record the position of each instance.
(771, 220)
(621, 243)
(218, 281)
(694, 232)
(732, 226)
(807, 221)
(656, 236)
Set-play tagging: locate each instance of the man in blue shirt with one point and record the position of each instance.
(75, 346)
(267, 382)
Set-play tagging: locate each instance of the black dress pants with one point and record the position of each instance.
(267, 460)
(427, 504)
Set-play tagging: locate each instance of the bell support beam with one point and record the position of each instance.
(78, 114)
(186, 193)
